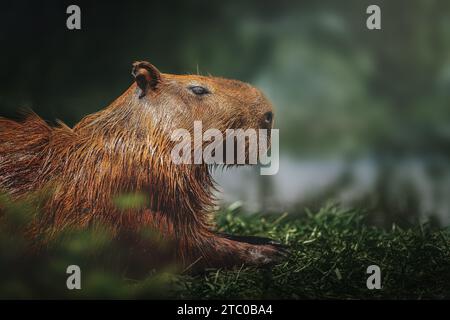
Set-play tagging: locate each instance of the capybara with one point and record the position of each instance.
(126, 148)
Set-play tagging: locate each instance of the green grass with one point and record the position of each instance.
(330, 252)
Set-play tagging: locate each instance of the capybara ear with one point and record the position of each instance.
(146, 75)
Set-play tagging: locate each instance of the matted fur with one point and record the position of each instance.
(125, 148)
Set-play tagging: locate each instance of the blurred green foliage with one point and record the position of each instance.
(30, 271)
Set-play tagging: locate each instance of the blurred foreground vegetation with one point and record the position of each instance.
(330, 252)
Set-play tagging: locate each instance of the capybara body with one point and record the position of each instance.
(125, 149)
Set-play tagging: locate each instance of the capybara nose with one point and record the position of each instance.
(268, 119)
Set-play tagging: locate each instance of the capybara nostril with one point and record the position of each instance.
(268, 118)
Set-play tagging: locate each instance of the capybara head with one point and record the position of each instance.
(219, 103)
(158, 104)
(165, 102)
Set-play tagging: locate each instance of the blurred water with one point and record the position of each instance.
(408, 187)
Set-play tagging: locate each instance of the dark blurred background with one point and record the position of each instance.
(364, 116)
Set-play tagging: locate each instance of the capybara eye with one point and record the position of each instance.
(199, 90)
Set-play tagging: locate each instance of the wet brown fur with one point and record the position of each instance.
(125, 148)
